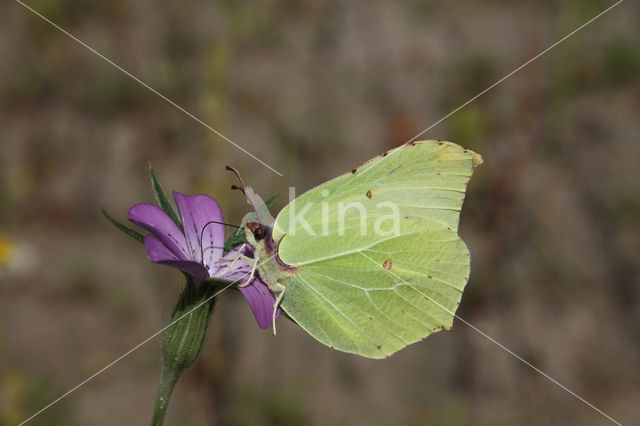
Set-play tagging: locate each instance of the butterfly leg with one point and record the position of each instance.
(254, 266)
(233, 260)
(248, 260)
(278, 292)
(225, 270)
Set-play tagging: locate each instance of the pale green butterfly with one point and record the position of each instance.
(359, 274)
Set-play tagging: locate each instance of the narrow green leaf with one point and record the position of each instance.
(234, 239)
(130, 232)
(272, 199)
(163, 200)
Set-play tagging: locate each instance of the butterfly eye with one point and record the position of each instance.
(258, 233)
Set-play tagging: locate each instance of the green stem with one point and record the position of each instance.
(168, 380)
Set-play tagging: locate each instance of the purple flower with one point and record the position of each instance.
(198, 250)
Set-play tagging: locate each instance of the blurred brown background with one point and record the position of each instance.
(313, 89)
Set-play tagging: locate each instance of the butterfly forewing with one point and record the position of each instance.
(377, 301)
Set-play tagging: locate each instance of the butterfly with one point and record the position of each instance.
(371, 261)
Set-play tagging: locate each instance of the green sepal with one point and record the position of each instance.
(215, 284)
(184, 338)
(238, 237)
(130, 232)
(163, 200)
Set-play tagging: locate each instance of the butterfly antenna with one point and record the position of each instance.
(202, 235)
(237, 173)
(242, 187)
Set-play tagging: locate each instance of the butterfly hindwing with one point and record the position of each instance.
(378, 301)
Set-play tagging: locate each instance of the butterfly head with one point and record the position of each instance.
(257, 232)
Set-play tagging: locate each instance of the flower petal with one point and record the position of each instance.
(197, 212)
(261, 302)
(156, 221)
(159, 253)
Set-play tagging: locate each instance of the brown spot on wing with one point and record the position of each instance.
(387, 264)
(369, 195)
